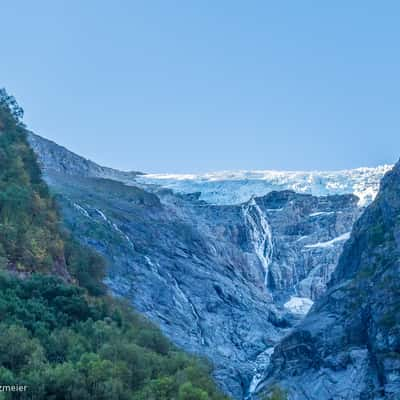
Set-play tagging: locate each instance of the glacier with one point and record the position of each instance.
(237, 187)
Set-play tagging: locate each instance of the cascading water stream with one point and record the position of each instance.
(260, 235)
(262, 362)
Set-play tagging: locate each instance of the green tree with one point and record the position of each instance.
(16, 347)
(188, 392)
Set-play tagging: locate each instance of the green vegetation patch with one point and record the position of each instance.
(63, 344)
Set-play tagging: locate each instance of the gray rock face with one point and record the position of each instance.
(308, 235)
(58, 158)
(216, 279)
(348, 347)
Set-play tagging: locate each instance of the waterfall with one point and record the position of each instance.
(260, 234)
(261, 364)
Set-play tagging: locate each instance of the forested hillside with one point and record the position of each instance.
(60, 334)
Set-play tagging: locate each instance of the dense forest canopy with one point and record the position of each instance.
(61, 336)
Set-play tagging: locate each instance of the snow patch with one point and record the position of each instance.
(317, 214)
(299, 305)
(329, 243)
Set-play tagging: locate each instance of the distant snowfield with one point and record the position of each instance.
(230, 187)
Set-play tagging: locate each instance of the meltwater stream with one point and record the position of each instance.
(260, 234)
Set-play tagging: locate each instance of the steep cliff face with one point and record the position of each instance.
(223, 281)
(348, 347)
(308, 235)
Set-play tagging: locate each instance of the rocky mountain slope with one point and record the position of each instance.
(348, 347)
(60, 159)
(224, 281)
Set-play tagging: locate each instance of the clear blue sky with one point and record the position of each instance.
(194, 86)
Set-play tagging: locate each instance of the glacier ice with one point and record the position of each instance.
(236, 187)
